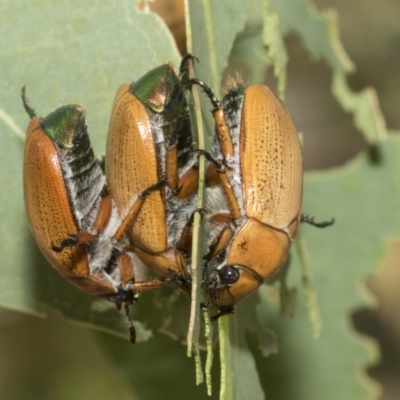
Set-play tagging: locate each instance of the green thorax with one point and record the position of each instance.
(65, 125)
(160, 89)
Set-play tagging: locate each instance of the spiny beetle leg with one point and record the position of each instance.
(151, 189)
(310, 220)
(207, 90)
(185, 58)
(132, 330)
(219, 165)
(71, 241)
(136, 208)
(81, 239)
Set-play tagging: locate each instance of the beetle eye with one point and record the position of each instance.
(228, 275)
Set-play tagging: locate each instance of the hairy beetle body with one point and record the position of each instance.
(150, 141)
(69, 210)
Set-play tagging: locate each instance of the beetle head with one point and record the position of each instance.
(230, 284)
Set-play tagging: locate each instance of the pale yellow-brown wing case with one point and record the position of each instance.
(271, 159)
(131, 147)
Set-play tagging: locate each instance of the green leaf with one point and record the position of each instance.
(273, 39)
(320, 33)
(215, 25)
(365, 107)
(364, 197)
(238, 377)
(158, 369)
(318, 29)
(213, 29)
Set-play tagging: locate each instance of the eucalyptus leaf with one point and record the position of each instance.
(364, 197)
(320, 33)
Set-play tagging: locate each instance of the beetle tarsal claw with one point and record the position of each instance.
(185, 58)
(184, 68)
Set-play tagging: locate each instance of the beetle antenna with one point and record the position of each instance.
(29, 110)
(207, 90)
(310, 220)
(132, 330)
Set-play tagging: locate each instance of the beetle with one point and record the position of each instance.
(70, 212)
(254, 192)
(150, 140)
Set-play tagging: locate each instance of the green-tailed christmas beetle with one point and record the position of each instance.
(254, 196)
(150, 140)
(72, 217)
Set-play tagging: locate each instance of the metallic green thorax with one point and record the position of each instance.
(64, 124)
(158, 89)
(82, 174)
(161, 92)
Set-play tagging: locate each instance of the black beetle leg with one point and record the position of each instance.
(82, 239)
(151, 189)
(207, 90)
(185, 58)
(132, 330)
(71, 241)
(219, 165)
(310, 220)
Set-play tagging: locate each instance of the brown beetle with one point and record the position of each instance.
(71, 215)
(254, 192)
(150, 140)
